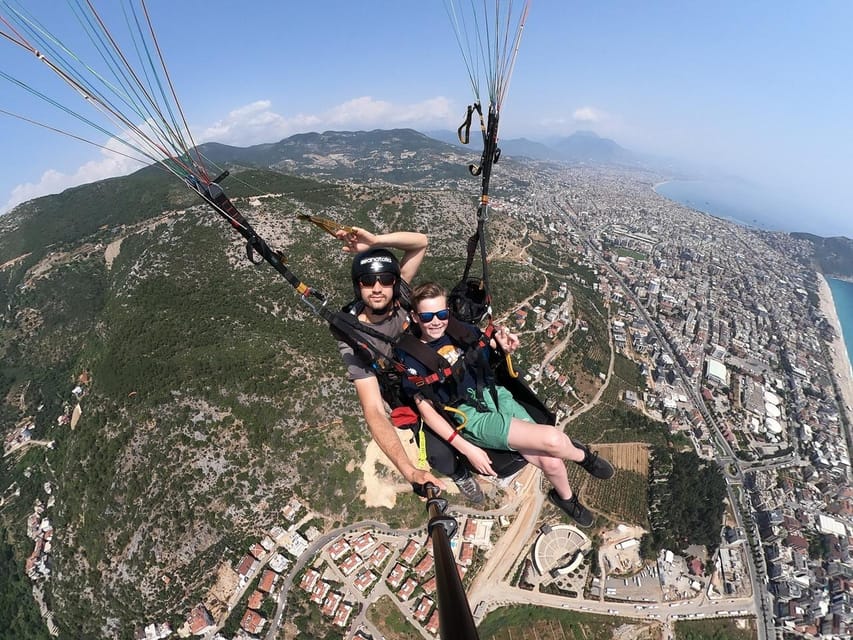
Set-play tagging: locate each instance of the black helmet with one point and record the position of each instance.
(376, 260)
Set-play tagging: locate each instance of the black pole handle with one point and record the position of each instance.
(454, 612)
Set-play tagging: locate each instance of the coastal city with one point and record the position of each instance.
(741, 350)
(389, 321)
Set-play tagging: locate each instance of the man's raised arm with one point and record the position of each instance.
(412, 243)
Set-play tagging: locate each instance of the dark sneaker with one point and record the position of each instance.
(592, 464)
(469, 488)
(573, 507)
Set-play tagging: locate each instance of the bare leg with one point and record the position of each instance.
(554, 469)
(542, 439)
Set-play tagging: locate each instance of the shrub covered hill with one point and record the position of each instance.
(832, 256)
(210, 394)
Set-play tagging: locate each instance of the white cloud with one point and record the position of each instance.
(589, 115)
(53, 181)
(367, 113)
(585, 118)
(255, 123)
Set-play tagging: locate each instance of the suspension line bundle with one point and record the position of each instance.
(489, 35)
(127, 82)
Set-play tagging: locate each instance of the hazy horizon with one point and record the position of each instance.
(749, 91)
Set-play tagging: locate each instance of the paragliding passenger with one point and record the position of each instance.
(378, 279)
(490, 419)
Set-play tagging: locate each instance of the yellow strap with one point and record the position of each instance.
(422, 452)
(458, 413)
(512, 372)
(329, 226)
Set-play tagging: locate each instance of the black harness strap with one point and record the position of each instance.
(464, 130)
(473, 299)
(474, 359)
(440, 369)
(213, 194)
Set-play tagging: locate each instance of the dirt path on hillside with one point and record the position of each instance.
(13, 261)
(600, 391)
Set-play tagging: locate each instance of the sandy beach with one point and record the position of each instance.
(838, 349)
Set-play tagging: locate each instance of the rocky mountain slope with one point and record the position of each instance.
(210, 395)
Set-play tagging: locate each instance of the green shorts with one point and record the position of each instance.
(491, 429)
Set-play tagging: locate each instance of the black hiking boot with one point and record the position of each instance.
(594, 465)
(469, 487)
(572, 507)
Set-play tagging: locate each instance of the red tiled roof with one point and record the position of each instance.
(252, 621)
(309, 579)
(410, 551)
(267, 581)
(425, 565)
(199, 619)
(432, 625)
(396, 576)
(246, 564)
(469, 530)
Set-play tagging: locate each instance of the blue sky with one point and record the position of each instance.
(757, 90)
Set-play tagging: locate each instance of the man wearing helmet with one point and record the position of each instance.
(378, 279)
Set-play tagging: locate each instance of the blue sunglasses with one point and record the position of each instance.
(427, 316)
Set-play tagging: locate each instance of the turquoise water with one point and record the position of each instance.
(842, 295)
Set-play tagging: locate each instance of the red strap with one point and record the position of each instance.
(439, 376)
(403, 417)
(489, 331)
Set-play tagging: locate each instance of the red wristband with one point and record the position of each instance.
(452, 435)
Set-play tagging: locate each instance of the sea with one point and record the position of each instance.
(734, 200)
(842, 296)
(751, 207)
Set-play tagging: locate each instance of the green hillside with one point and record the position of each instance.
(215, 395)
(211, 395)
(833, 256)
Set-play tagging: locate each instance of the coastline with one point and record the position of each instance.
(845, 278)
(838, 350)
(694, 207)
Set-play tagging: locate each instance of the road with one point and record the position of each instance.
(763, 601)
(22, 445)
(504, 555)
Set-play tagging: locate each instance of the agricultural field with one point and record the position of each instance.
(627, 456)
(623, 498)
(715, 629)
(629, 253)
(611, 420)
(526, 622)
